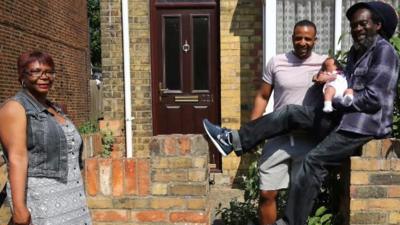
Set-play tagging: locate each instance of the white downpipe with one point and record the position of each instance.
(269, 39)
(127, 79)
(338, 24)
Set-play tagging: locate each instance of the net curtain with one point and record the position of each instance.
(322, 13)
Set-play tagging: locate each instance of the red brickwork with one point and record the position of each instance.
(59, 27)
(170, 187)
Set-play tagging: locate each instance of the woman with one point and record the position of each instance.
(42, 150)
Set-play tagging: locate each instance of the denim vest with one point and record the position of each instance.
(46, 142)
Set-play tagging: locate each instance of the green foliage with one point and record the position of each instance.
(107, 140)
(242, 212)
(340, 55)
(321, 217)
(396, 121)
(94, 31)
(88, 127)
(251, 183)
(239, 213)
(395, 41)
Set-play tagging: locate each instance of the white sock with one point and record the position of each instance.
(347, 100)
(327, 106)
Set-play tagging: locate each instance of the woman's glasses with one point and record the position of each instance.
(39, 73)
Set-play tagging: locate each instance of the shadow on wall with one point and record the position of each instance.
(247, 24)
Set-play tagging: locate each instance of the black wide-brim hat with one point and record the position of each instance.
(385, 11)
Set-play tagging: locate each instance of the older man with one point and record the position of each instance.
(372, 73)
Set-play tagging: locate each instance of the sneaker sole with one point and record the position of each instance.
(214, 141)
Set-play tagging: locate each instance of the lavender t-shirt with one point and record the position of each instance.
(291, 79)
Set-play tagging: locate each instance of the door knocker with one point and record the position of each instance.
(186, 47)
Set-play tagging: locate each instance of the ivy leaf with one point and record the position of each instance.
(320, 211)
(313, 220)
(395, 41)
(326, 218)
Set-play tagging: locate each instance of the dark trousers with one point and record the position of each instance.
(289, 118)
(331, 151)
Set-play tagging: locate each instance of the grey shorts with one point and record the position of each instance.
(281, 155)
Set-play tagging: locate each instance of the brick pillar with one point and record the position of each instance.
(170, 187)
(241, 66)
(179, 175)
(375, 184)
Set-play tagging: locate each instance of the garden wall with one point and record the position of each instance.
(170, 187)
(375, 184)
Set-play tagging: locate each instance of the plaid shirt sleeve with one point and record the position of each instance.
(374, 80)
(380, 76)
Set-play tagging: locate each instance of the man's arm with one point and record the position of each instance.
(261, 100)
(382, 74)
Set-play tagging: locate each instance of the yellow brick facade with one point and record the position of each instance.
(241, 60)
(240, 65)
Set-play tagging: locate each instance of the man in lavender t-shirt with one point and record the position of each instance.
(290, 75)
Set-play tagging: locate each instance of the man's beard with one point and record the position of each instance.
(363, 45)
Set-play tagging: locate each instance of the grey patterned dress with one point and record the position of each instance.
(52, 202)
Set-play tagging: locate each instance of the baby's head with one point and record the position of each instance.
(330, 65)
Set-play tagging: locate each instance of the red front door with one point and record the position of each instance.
(185, 68)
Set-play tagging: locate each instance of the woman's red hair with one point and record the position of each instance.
(26, 58)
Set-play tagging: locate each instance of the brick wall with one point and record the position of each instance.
(59, 27)
(112, 65)
(241, 60)
(375, 184)
(171, 187)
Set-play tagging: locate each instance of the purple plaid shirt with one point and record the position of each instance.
(374, 81)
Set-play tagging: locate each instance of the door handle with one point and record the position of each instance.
(161, 90)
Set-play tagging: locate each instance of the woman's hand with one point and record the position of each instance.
(21, 216)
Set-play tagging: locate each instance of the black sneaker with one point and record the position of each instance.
(221, 137)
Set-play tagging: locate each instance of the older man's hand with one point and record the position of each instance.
(322, 77)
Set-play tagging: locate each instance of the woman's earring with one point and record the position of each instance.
(23, 83)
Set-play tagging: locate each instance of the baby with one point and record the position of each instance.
(336, 88)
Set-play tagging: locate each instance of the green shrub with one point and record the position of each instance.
(107, 140)
(88, 127)
(395, 41)
(239, 213)
(321, 217)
